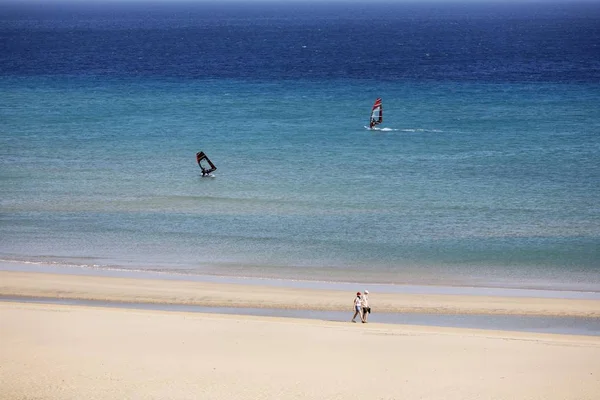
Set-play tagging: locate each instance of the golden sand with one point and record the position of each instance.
(76, 352)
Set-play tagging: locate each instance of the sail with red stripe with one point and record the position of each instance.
(376, 113)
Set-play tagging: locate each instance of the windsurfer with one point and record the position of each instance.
(376, 114)
(200, 156)
(206, 171)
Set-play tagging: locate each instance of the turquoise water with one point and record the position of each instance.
(485, 173)
(467, 183)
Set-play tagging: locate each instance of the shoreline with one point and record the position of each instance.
(406, 288)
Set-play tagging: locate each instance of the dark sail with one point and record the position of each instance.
(204, 163)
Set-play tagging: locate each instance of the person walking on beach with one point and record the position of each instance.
(358, 308)
(366, 310)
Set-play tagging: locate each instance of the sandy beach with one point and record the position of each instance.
(73, 352)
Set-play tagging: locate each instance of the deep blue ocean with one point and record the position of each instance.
(485, 172)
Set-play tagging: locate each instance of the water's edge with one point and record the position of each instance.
(351, 287)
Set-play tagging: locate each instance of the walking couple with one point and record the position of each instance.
(361, 306)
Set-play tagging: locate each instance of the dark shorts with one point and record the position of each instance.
(366, 310)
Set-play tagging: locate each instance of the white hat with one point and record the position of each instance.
(366, 292)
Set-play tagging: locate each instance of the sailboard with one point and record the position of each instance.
(376, 114)
(205, 164)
